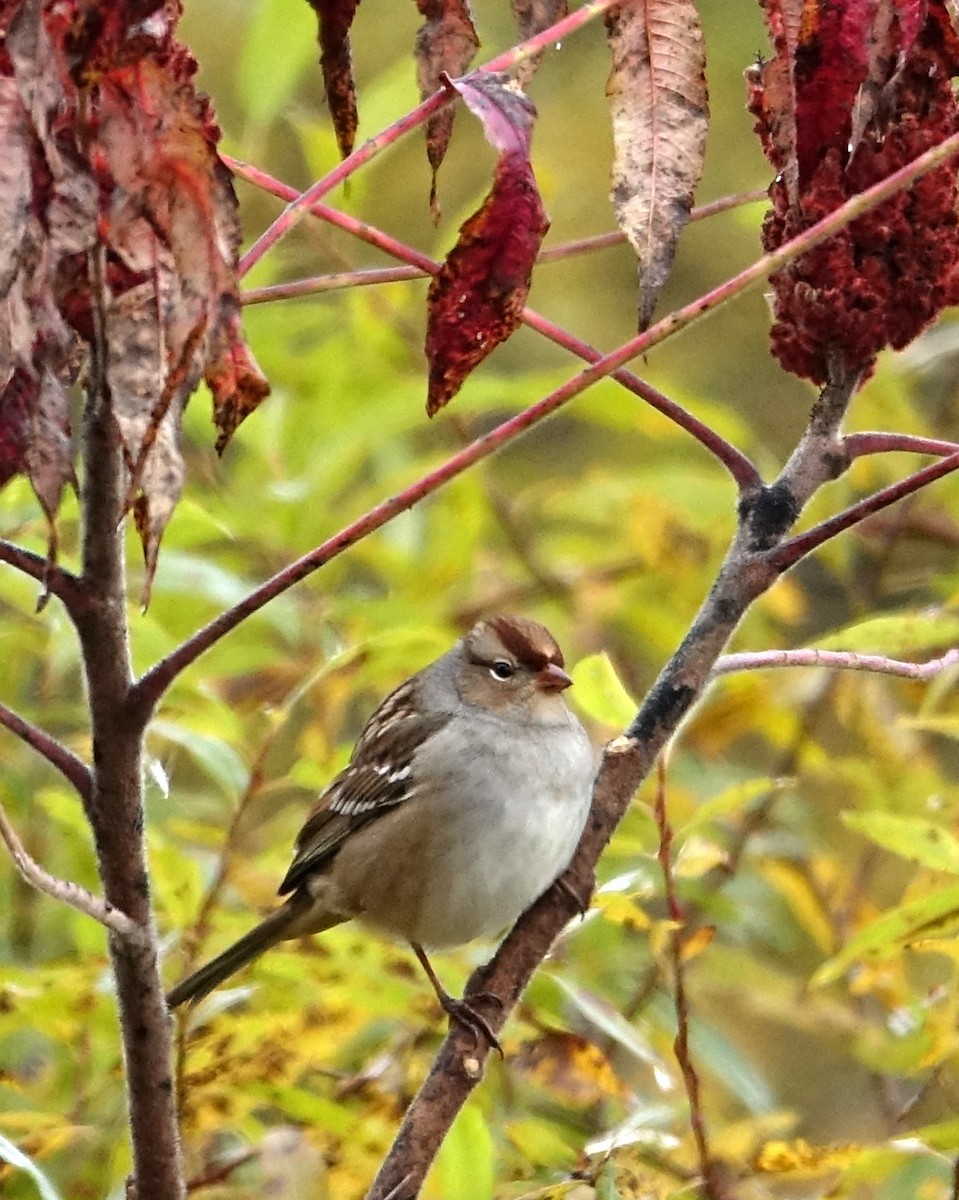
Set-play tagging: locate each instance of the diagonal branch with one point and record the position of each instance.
(739, 466)
(68, 892)
(789, 553)
(298, 208)
(72, 768)
(753, 563)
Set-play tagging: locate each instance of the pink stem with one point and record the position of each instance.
(789, 553)
(740, 467)
(297, 209)
(858, 444)
(845, 660)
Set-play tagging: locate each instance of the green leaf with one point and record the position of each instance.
(465, 1162)
(921, 841)
(903, 635)
(215, 756)
(16, 1158)
(930, 916)
(280, 44)
(600, 694)
(732, 800)
(608, 1021)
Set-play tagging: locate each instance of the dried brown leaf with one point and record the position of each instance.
(145, 191)
(336, 61)
(659, 108)
(445, 44)
(532, 17)
(235, 381)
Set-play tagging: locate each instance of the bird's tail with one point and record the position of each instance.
(286, 922)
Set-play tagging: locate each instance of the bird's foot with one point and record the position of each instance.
(563, 885)
(462, 1013)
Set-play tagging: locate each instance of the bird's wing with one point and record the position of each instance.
(378, 776)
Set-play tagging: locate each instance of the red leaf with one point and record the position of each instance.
(235, 381)
(477, 298)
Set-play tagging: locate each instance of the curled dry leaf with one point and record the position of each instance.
(476, 300)
(445, 44)
(532, 17)
(145, 198)
(853, 93)
(659, 108)
(336, 61)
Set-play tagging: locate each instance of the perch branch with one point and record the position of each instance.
(751, 565)
(68, 892)
(72, 768)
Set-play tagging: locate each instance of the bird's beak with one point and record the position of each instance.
(552, 679)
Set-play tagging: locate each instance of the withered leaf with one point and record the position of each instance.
(445, 43)
(659, 109)
(532, 17)
(143, 189)
(235, 381)
(476, 300)
(336, 61)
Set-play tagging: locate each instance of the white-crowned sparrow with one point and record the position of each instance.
(463, 800)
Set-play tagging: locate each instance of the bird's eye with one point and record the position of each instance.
(502, 670)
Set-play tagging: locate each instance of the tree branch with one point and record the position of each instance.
(115, 807)
(68, 892)
(750, 567)
(789, 553)
(57, 581)
(739, 466)
(72, 768)
(710, 1170)
(859, 444)
(844, 660)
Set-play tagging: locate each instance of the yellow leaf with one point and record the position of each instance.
(796, 891)
(781, 1158)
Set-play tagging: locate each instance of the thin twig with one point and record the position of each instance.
(68, 892)
(677, 942)
(72, 768)
(297, 209)
(56, 580)
(844, 660)
(789, 553)
(739, 466)
(880, 442)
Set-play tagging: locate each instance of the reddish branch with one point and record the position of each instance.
(709, 1170)
(73, 769)
(739, 466)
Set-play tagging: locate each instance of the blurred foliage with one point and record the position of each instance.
(806, 806)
